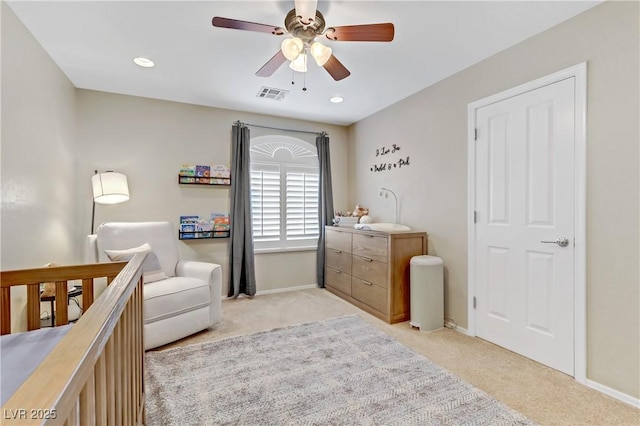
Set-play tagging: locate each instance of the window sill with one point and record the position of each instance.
(283, 250)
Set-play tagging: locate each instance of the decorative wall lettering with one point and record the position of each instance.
(389, 165)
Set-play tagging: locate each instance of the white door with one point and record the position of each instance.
(524, 241)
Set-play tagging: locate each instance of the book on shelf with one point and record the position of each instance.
(203, 173)
(187, 170)
(220, 171)
(220, 221)
(193, 227)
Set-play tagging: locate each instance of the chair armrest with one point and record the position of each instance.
(210, 273)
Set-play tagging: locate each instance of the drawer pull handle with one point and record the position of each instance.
(366, 259)
(336, 271)
(366, 282)
(338, 251)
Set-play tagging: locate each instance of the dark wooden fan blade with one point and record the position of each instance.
(336, 69)
(367, 32)
(245, 25)
(272, 65)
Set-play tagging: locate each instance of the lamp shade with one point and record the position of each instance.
(291, 48)
(320, 53)
(110, 188)
(299, 64)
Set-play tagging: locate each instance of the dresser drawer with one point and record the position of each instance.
(369, 294)
(370, 270)
(336, 279)
(370, 246)
(338, 240)
(338, 259)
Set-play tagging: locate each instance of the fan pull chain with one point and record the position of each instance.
(304, 76)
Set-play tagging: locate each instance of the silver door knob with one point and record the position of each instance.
(562, 242)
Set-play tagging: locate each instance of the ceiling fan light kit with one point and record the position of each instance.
(304, 23)
(320, 53)
(291, 48)
(299, 64)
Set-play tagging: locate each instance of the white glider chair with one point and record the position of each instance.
(181, 297)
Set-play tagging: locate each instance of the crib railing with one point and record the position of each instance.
(95, 375)
(61, 275)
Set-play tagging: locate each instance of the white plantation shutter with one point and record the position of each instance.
(265, 202)
(301, 204)
(284, 193)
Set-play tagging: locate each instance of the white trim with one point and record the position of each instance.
(285, 289)
(579, 73)
(280, 290)
(283, 249)
(457, 328)
(635, 402)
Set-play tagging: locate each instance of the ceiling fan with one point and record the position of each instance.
(304, 24)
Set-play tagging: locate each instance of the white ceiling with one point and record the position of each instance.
(94, 42)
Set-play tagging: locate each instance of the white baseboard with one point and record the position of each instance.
(279, 290)
(635, 402)
(459, 329)
(282, 290)
(451, 324)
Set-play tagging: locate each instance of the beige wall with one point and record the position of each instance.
(149, 139)
(431, 128)
(38, 157)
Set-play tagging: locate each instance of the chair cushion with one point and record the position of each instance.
(124, 235)
(174, 296)
(151, 270)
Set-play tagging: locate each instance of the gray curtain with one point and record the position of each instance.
(242, 276)
(325, 204)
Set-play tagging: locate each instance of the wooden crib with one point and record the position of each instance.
(95, 373)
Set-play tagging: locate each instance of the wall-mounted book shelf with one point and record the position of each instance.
(204, 181)
(202, 235)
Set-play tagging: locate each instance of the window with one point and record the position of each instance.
(284, 192)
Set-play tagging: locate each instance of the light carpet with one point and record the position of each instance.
(336, 371)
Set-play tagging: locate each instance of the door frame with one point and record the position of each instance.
(579, 73)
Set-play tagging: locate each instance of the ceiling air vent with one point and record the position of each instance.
(271, 93)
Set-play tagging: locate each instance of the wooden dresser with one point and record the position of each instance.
(371, 269)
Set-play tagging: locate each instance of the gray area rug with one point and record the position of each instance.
(341, 371)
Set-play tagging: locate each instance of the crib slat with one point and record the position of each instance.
(62, 314)
(126, 351)
(100, 372)
(87, 402)
(5, 310)
(87, 294)
(111, 381)
(33, 307)
(117, 347)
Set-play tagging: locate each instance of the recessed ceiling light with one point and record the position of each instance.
(337, 99)
(144, 62)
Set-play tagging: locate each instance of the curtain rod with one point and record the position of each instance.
(277, 128)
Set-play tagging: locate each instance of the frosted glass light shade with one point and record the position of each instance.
(320, 53)
(299, 64)
(110, 188)
(291, 48)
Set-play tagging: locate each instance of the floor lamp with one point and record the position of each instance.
(108, 188)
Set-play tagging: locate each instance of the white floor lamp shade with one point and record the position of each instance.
(108, 188)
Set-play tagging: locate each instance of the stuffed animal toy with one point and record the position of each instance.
(360, 211)
(49, 288)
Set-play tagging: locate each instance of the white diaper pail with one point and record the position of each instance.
(427, 293)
